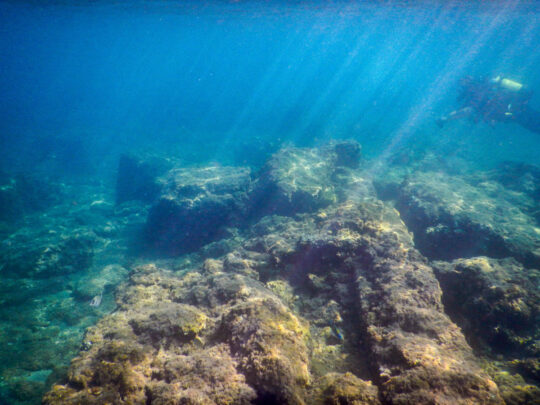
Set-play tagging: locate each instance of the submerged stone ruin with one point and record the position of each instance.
(299, 285)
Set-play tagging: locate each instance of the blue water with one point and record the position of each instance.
(229, 82)
(106, 76)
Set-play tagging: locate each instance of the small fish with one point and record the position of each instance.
(96, 301)
(337, 333)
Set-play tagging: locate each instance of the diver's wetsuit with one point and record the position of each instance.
(486, 100)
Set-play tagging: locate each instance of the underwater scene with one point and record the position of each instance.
(269, 202)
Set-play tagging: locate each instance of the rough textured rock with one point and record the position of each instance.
(47, 254)
(303, 180)
(419, 356)
(452, 218)
(243, 344)
(513, 387)
(345, 275)
(98, 281)
(344, 389)
(138, 178)
(52, 266)
(328, 303)
(293, 180)
(195, 207)
(496, 301)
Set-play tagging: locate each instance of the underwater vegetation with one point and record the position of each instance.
(269, 202)
(299, 283)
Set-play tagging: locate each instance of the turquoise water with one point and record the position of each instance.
(227, 83)
(112, 75)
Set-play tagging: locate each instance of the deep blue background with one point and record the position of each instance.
(97, 78)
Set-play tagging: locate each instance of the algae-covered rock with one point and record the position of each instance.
(329, 303)
(270, 342)
(498, 301)
(513, 387)
(241, 344)
(452, 218)
(419, 355)
(195, 207)
(28, 253)
(344, 389)
(55, 264)
(302, 179)
(204, 377)
(96, 283)
(200, 205)
(169, 323)
(293, 180)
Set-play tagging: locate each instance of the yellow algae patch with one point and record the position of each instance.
(283, 290)
(482, 263)
(347, 234)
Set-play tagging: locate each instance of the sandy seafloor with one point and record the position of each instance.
(233, 221)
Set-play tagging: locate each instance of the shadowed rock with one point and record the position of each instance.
(138, 178)
(451, 218)
(195, 207)
(496, 301)
(419, 356)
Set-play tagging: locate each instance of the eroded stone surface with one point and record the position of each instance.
(244, 342)
(327, 303)
(420, 356)
(452, 218)
(195, 207)
(304, 180)
(285, 344)
(496, 301)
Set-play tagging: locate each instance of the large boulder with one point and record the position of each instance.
(496, 301)
(298, 180)
(453, 218)
(240, 344)
(196, 206)
(417, 353)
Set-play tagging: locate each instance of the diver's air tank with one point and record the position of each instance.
(508, 84)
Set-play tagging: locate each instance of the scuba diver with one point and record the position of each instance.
(496, 100)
